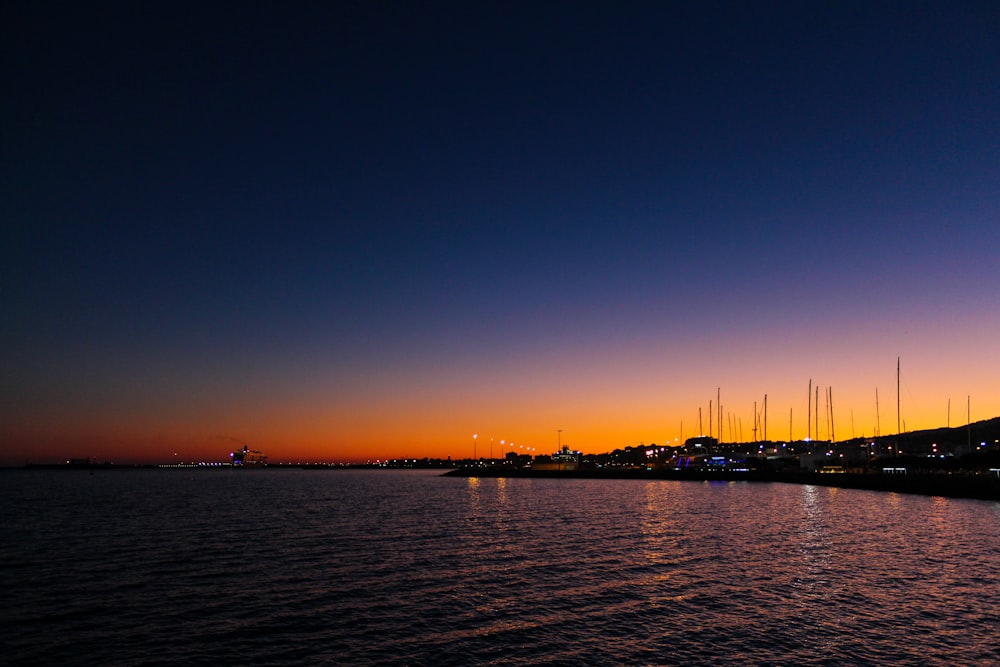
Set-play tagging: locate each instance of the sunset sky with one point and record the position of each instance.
(362, 230)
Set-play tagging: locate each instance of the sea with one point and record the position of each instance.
(392, 567)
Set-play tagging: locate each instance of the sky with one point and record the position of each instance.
(363, 230)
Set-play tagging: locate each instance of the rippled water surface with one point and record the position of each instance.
(295, 567)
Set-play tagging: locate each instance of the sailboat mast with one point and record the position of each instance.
(833, 437)
(817, 412)
(765, 417)
(809, 398)
(826, 410)
(897, 402)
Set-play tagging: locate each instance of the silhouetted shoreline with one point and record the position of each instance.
(976, 486)
(971, 484)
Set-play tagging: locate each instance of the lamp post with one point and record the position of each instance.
(474, 436)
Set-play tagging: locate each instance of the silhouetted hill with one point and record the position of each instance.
(949, 440)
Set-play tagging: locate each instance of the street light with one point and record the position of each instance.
(474, 436)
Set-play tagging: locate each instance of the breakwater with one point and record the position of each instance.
(978, 485)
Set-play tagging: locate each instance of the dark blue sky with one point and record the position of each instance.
(193, 193)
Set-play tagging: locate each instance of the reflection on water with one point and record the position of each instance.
(812, 545)
(371, 567)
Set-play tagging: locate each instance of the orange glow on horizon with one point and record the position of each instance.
(592, 424)
(602, 397)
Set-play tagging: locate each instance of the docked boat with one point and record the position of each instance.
(564, 459)
(247, 457)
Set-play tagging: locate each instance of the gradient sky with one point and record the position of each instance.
(360, 230)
